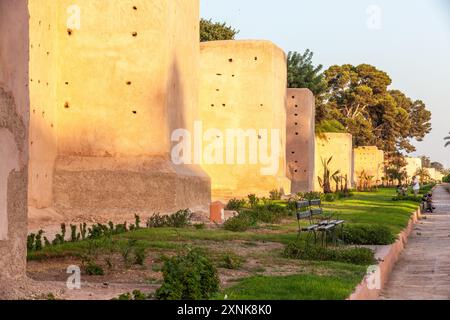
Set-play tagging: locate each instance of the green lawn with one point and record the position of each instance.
(374, 208)
(299, 287)
(332, 281)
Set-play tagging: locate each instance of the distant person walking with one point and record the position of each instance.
(416, 186)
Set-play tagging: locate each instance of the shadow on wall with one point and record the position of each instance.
(176, 105)
(177, 109)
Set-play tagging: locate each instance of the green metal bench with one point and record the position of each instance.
(318, 223)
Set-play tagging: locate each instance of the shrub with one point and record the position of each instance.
(446, 179)
(310, 195)
(133, 254)
(139, 256)
(179, 219)
(93, 269)
(253, 200)
(235, 204)
(74, 236)
(156, 221)
(188, 276)
(30, 241)
(268, 213)
(367, 235)
(137, 221)
(291, 206)
(136, 295)
(360, 256)
(329, 197)
(240, 222)
(199, 226)
(275, 194)
(230, 260)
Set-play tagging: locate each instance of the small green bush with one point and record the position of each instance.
(253, 200)
(199, 226)
(275, 194)
(359, 256)
(446, 179)
(179, 219)
(268, 213)
(235, 204)
(230, 260)
(367, 235)
(310, 195)
(139, 255)
(240, 222)
(188, 276)
(329, 197)
(156, 221)
(132, 253)
(93, 269)
(136, 295)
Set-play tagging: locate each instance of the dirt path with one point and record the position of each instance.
(423, 271)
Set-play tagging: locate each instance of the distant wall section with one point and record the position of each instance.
(339, 146)
(368, 160)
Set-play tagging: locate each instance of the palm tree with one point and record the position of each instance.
(325, 182)
(423, 175)
(448, 142)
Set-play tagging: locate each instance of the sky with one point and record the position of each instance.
(408, 39)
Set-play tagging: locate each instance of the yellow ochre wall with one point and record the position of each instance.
(412, 165)
(370, 160)
(105, 99)
(43, 84)
(243, 86)
(340, 147)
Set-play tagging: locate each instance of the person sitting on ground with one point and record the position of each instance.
(401, 190)
(428, 203)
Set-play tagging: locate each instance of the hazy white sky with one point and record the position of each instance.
(410, 41)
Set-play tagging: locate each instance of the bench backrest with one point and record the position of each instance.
(303, 210)
(308, 208)
(304, 214)
(316, 207)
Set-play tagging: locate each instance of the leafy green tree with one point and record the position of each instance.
(214, 31)
(359, 98)
(423, 175)
(394, 169)
(302, 73)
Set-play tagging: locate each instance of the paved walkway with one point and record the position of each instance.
(423, 270)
